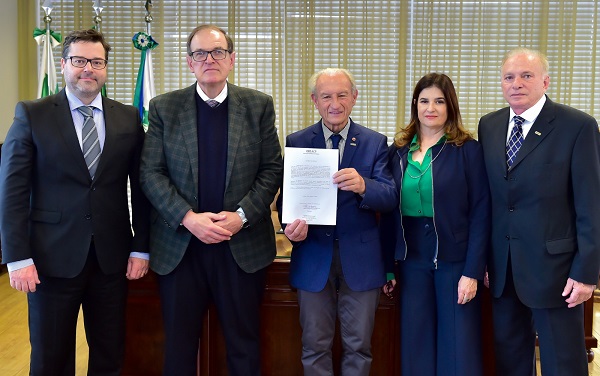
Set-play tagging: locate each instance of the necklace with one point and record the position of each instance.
(429, 165)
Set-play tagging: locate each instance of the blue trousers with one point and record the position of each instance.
(439, 337)
(560, 333)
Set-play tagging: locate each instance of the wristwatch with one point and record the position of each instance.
(242, 215)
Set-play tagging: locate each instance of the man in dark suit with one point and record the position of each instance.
(338, 270)
(542, 160)
(66, 233)
(211, 166)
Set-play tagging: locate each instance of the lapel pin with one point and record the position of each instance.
(538, 133)
(353, 143)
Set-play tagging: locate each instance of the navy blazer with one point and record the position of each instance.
(546, 210)
(357, 224)
(461, 206)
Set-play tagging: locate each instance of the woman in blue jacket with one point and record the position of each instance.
(439, 235)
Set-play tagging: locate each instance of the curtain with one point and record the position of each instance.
(387, 44)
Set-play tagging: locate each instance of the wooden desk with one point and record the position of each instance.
(281, 344)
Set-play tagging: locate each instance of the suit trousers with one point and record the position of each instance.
(53, 312)
(560, 333)
(438, 335)
(203, 276)
(356, 313)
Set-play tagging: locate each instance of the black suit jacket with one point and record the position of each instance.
(546, 209)
(49, 205)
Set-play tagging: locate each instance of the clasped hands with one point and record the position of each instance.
(212, 228)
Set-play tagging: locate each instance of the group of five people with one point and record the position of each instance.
(516, 210)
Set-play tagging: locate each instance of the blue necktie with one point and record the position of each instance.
(91, 143)
(515, 141)
(335, 140)
(335, 143)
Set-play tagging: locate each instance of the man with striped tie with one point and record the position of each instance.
(542, 164)
(64, 217)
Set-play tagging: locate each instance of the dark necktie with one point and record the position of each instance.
(91, 143)
(515, 141)
(335, 143)
(335, 140)
(212, 103)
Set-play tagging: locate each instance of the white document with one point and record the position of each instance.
(309, 191)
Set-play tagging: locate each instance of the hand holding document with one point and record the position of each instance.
(310, 193)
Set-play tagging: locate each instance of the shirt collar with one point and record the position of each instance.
(531, 113)
(414, 144)
(344, 132)
(75, 102)
(219, 98)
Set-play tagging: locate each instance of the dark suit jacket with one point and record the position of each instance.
(49, 205)
(356, 220)
(461, 203)
(546, 209)
(169, 174)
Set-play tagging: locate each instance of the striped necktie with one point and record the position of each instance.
(515, 141)
(91, 143)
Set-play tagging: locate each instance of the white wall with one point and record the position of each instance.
(8, 64)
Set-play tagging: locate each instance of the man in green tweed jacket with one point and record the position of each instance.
(211, 166)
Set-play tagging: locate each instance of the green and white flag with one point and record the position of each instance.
(47, 82)
(144, 86)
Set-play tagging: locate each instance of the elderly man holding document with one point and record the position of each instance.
(339, 270)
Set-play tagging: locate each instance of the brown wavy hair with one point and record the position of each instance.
(454, 129)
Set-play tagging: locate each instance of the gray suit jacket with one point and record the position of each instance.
(546, 209)
(169, 174)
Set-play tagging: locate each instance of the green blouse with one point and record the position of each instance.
(417, 184)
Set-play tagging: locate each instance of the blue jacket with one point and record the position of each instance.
(357, 223)
(461, 206)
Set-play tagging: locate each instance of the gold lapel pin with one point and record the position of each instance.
(538, 133)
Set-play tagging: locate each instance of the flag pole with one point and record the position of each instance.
(144, 86)
(148, 17)
(98, 8)
(48, 20)
(48, 39)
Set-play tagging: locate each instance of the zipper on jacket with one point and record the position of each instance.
(400, 207)
(437, 238)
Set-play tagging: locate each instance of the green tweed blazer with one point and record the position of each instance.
(169, 174)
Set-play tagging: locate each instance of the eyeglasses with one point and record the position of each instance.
(203, 55)
(81, 62)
